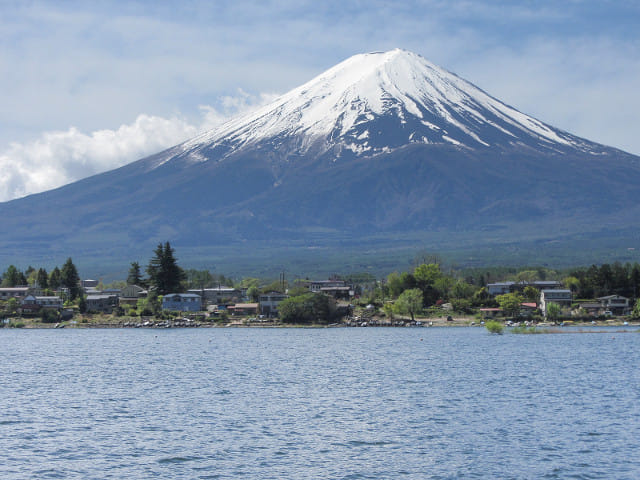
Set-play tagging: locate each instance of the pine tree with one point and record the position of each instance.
(42, 278)
(54, 279)
(12, 277)
(70, 279)
(135, 275)
(163, 271)
(82, 304)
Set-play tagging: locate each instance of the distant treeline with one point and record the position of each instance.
(585, 282)
(436, 281)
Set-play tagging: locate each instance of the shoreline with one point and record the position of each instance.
(374, 322)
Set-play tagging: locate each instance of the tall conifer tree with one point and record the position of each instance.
(135, 275)
(163, 271)
(69, 278)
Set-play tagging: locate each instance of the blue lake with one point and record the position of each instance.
(414, 403)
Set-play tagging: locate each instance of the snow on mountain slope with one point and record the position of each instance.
(375, 102)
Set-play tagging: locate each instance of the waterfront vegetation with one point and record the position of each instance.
(529, 330)
(428, 292)
(495, 327)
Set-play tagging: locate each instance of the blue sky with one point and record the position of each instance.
(89, 86)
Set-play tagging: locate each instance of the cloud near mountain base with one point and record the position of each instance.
(58, 158)
(61, 157)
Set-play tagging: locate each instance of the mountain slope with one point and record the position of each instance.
(381, 146)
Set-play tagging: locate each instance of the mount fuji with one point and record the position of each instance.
(384, 148)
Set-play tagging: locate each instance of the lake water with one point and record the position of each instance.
(405, 403)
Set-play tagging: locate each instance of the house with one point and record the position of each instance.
(269, 303)
(591, 308)
(339, 293)
(338, 289)
(527, 309)
(561, 297)
(490, 312)
(33, 304)
(110, 291)
(319, 285)
(13, 292)
(546, 284)
(246, 309)
(213, 296)
(500, 288)
(616, 304)
(182, 302)
(101, 303)
(130, 294)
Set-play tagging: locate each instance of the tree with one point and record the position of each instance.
(307, 308)
(12, 306)
(82, 304)
(253, 292)
(199, 278)
(636, 309)
(399, 282)
(70, 279)
(275, 286)
(482, 298)
(553, 311)
(49, 316)
(527, 276)
(461, 305)
(426, 276)
(409, 301)
(164, 273)
(294, 291)
(634, 279)
(135, 275)
(510, 303)
(55, 279)
(532, 294)
(572, 283)
(12, 277)
(32, 277)
(42, 279)
(462, 289)
(443, 285)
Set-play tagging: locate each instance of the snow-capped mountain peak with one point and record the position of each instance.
(376, 102)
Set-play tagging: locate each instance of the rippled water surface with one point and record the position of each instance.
(318, 403)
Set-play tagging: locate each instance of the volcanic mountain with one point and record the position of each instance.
(382, 146)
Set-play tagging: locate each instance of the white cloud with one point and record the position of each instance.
(60, 157)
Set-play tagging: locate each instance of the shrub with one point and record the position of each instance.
(461, 305)
(49, 316)
(494, 327)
